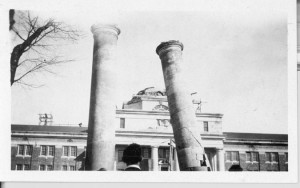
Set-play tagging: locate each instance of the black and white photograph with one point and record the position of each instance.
(160, 87)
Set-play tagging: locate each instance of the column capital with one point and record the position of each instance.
(164, 46)
(98, 28)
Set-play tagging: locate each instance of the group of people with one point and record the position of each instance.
(132, 156)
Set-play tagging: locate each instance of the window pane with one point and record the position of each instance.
(72, 168)
(122, 123)
(274, 157)
(268, 156)
(160, 153)
(228, 156)
(21, 150)
(248, 156)
(49, 168)
(255, 156)
(19, 167)
(234, 156)
(73, 151)
(26, 167)
(42, 167)
(51, 150)
(65, 167)
(120, 155)
(205, 124)
(66, 150)
(167, 152)
(43, 150)
(28, 150)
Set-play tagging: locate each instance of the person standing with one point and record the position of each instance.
(132, 156)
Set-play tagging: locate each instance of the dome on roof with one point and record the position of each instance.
(152, 91)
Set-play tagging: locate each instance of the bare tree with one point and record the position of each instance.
(35, 42)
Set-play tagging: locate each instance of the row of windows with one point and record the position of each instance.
(45, 167)
(163, 153)
(233, 156)
(163, 122)
(23, 167)
(68, 151)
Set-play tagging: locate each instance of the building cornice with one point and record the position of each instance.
(164, 113)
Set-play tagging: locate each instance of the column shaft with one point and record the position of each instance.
(101, 130)
(186, 132)
(220, 159)
(154, 157)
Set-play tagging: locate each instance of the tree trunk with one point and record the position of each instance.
(20, 49)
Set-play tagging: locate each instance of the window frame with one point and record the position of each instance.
(20, 165)
(66, 148)
(44, 166)
(47, 168)
(62, 167)
(230, 154)
(252, 154)
(122, 123)
(269, 157)
(75, 151)
(73, 166)
(205, 126)
(26, 165)
(25, 149)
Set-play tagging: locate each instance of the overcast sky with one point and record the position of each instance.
(236, 60)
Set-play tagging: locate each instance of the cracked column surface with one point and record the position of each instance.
(102, 115)
(186, 133)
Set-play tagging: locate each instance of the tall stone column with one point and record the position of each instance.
(220, 159)
(154, 157)
(102, 115)
(186, 133)
(176, 164)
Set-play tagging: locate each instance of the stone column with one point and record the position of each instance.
(220, 159)
(176, 164)
(101, 128)
(154, 157)
(186, 133)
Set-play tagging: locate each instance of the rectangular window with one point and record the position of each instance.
(286, 155)
(19, 167)
(49, 167)
(205, 125)
(72, 168)
(44, 150)
(232, 156)
(64, 167)
(28, 150)
(21, 150)
(255, 157)
(120, 155)
(66, 151)
(160, 153)
(73, 151)
(146, 153)
(228, 156)
(26, 167)
(252, 156)
(268, 157)
(163, 153)
(122, 123)
(51, 150)
(272, 157)
(42, 168)
(248, 156)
